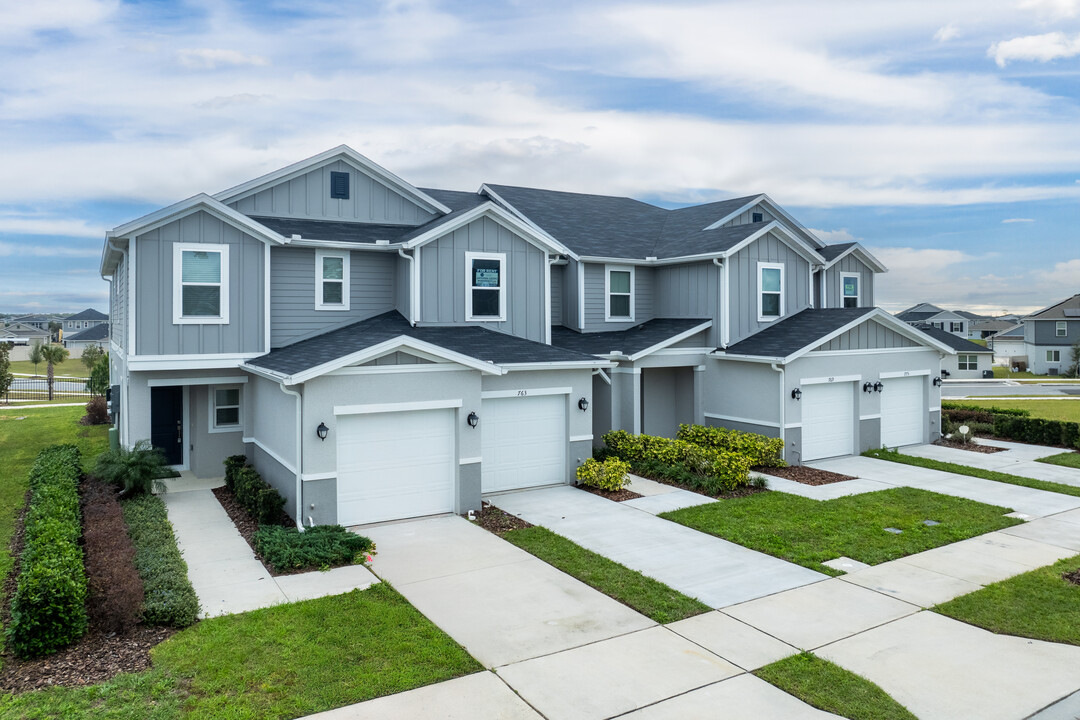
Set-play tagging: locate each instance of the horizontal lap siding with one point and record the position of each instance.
(744, 284)
(595, 301)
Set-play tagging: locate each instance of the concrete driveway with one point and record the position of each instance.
(1015, 459)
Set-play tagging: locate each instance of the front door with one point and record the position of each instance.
(167, 422)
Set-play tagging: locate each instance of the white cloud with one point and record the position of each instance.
(946, 33)
(831, 237)
(36, 225)
(1036, 48)
(1065, 275)
(73, 15)
(1006, 221)
(210, 58)
(8, 249)
(1052, 9)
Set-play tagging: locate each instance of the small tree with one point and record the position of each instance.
(54, 330)
(53, 355)
(5, 367)
(36, 356)
(99, 376)
(90, 356)
(1074, 366)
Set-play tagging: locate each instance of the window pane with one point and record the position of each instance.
(201, 301)
(770, 279)
(333, 268)
(331, 293)
(228, 416)
(201, 266)
(620, 281)
(485, 303)
(620, 306)
(770, 305)
(227, 397)
(485, 274)
(851, 287)
(851, 302)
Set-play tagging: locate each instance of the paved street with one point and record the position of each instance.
(1004, 388)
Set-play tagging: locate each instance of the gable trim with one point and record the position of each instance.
(197, 203)
(775, 208)
(869, 260)
(806, 251)
(499, 215)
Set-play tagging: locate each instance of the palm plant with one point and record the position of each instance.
(53, 355)
(136, 471)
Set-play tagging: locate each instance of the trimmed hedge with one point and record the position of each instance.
(264, 503)
(761, 450)
(707, 469)
(48, 609)
(949, 407)
(287, 549)
(1038, 431)
(609, 474)
(170, 599)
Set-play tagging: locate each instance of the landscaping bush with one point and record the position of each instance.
(262, 502)
(136, 471)
(116, 594)
(169, 598)
(97, 412)
(233, 465)
(760, 450)
(708, 469)
(287, 549)
(1037, 431)
(48, 609)
(611, 474)
(950, 408)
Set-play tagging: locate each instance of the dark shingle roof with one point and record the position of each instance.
(88, 314)
(911, 317)
(956, 343)
(473, 341)
(1057, 312)
(801, 330)
(92, 334)
(1016, 331)
(970, 315)
(332, 230)
(829, 252)
(627, 342)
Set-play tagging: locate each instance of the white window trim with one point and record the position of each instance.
(1049, 353)
(964, 361)
(953, 323)
(858, 288)
(501, 257)
(762, 266)
(1061, 328)
(345, 256)
(608, 269)
(178, 292)
(213, 427)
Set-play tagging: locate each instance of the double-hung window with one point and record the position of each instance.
(200, 284)
(225, 409)
(967, 362)
(619, 283)
(331, 280)
(770, 291)
(956, 327)
(485, 286)
(1061, 328)
(849, 290)
(1053, 356)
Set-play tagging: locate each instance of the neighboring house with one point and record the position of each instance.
(96, 335)
(1049, 335)
(84, 320)
(1008, 346)
(22, 337)
(971, 360)
(383, 351)
(982, 329)
(38, 322)
(947, 320)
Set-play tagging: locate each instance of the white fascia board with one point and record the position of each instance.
(722, 355)
(678, 260)
(808, 253)
(570, 365)
(189, 362)
(264, 373)
(735, 213)
(343, 245)
(191, 205)
(499, 215)
(671, 341)
(391, 345)
(485, 190)
(775, 208)
(868, 259)
(898, 326)
(341, 152)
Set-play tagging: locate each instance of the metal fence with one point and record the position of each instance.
(30, 389)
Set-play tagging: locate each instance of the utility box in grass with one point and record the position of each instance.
(114, 439)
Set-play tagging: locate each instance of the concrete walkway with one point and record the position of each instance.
(1016, 459)
(717, 572)
(224, 572)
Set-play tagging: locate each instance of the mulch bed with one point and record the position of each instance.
(617, 496)
(805, 475)
(247, 525)
(495, 520)
(969, 446)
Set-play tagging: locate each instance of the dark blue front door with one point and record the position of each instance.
(167, 422)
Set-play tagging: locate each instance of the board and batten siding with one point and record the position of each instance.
(292, 292)
(868, 336)
(557, 280)
(156, 334)
(118, 304)
(595, 301)
(849, 264)
(690, 291)
(743, 278)
(570, 296)
(748, 217)
(442, 278)
(308, 196)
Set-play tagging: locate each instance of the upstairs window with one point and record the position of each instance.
(225, 409)
(200, 284)
(331, 280)
(956, 327)
(620, 294)
(770, 291)
(849, 290)
(339, 185)
(485, 286)
(967, 362)
(1061, 328)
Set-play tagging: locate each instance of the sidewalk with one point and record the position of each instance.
(1016, 459)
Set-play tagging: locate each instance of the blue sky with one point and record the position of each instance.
(943, 135)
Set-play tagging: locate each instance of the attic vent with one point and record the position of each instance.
(339, 185)
(758, 217)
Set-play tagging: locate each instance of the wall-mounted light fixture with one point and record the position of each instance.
(583, 404)
(937, 382)
(868, 387)
(878, 387)
(945, 373)
(322, 431)
(796, 394)
(473, 419)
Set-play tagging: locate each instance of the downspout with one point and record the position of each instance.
(412, 311)
(551, 260)
(299, 454)
(724, 304)
(783, 407)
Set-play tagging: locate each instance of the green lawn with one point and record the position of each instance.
(831, 688)
(1067, 409)
(1039, 604)
(71, 366)
(281, 662)
(649, 597)
(896, 456)
(1065, 459)
(808, 532)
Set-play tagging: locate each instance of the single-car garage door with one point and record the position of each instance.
(828, 420)
(523, 442)
(395, 465)
(903, 411)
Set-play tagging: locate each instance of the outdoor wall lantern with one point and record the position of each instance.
(945, 373)
(796, 394)
(473, 419)
(583, 404)
(878, 387)
(868, 387)
(937, 382)
(322, 431)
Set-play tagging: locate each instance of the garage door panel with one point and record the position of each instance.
(523, 442)
(828, 420)
(903, 411)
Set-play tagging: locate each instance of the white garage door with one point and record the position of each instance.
(395, 465)
(903, 411)
(828, 422)
(523, 442)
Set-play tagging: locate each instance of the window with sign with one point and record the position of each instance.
(770, 291)
(620, 294)
(332, 280)
(200, 283)
(849, 290)
(967, 362)
(225, 409)
(485, 292)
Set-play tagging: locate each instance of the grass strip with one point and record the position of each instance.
(1064, 409)
(809, 532)
(648, 596)
(831, 688)
(897, 457)
(1039, 604)
(1065, 459)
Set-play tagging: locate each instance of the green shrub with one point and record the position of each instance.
(708, 469)
(170, 599)
(136, 471)
(951, 408)
(48, 608)
(287, 549)
(233, 465)
(264, 503)
(269, 505)
(1037, 431)
(611, 474)
(760, 450)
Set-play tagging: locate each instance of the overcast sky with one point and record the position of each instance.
(941, 134)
